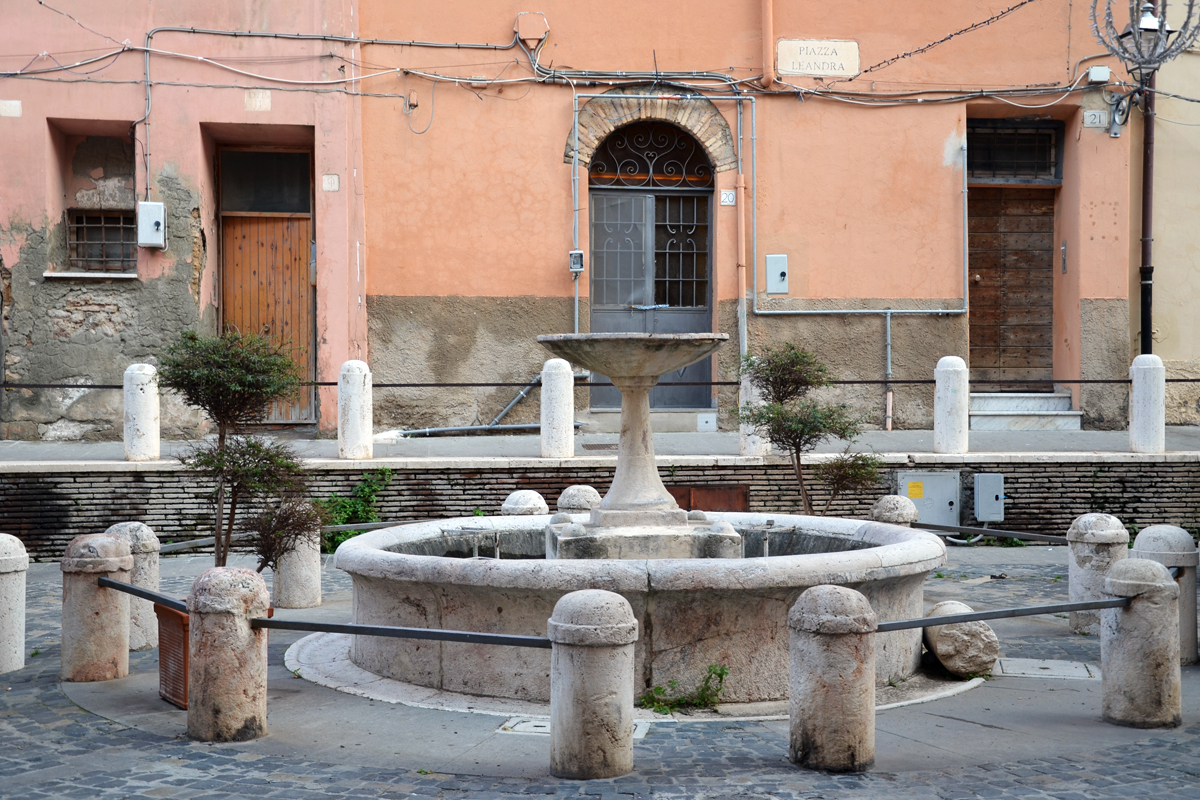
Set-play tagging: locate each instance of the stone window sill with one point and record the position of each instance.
(92, 276)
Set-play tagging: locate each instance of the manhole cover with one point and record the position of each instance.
(595, 446)
(540, 726)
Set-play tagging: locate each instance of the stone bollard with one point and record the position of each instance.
(14, 563)
(524, 502)
(951, 406)
(831, 680)
(1148, 405)
(895, 510)
(591, 685)
(95, 620)
(141, 413)
(297, 581)
(1173, 547)
(1139, 648)
(578, 499)
(227, 661)
(355, 431)
(558, 409)
(965, 649)
(143, 546)
(1095, 542)
(750, 442)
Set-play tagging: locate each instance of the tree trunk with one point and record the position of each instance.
(227, 536)
(804, 498)
(220, 554)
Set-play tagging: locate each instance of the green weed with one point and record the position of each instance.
(705, 695)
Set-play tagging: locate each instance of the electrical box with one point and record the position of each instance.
(152, 225)
(575, 262)
(935, 494)
(989, 497)
(777, 274)
(1099, 74)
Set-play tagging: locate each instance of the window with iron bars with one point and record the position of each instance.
(102, 241)
(1014, 154)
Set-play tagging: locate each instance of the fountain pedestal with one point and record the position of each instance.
(638, 518)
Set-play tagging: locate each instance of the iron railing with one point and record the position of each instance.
(145, 594)
(994, 533)
(1001, 613)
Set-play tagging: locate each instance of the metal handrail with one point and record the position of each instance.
(1001, 613)
(992, 532)
(467, 637)
(174, 547)
(145, 594)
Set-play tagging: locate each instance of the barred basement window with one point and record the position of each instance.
(999, 153)
(103, 241)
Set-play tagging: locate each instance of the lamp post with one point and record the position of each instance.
(1144, 45)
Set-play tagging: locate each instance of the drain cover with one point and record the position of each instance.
(598, 446)
(540, 726)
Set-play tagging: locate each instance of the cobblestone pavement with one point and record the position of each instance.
(51, 748)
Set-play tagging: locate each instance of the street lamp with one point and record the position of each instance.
(1144, 45)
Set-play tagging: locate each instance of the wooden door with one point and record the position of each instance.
(266, 289)
(1012, 288)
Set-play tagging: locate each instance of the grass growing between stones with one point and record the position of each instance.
(668, 700)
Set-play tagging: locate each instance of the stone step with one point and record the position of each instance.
(1025, 421)
(1020, 402)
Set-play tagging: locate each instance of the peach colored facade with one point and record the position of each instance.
(444, 249)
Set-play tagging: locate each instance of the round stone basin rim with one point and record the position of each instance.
(633, 354)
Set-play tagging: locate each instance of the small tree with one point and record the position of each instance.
(279, 529)
(797, 423)
(234, 379)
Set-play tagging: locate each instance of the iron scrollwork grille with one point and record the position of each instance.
(650, 155)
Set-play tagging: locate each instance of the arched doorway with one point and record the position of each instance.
(650, 199)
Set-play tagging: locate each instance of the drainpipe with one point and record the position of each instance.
(740, 187)
(887, 414)
(1147, 269)
(768, 44)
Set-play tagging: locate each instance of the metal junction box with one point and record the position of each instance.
(777, 274)
(989, 497)
(935, 494)
(152, 225)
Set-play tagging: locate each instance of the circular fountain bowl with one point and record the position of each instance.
(691, 612)
(633, 354)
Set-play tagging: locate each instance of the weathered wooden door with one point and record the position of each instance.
(267, 262)
(1012, 287)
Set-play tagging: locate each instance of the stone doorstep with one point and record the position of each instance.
(1045, 668)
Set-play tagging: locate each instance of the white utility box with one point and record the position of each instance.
(152, 225)
(935, 494)
(777, 274)
(989, 497)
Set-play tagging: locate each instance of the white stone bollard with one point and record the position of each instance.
(227, 662)
(558, 409)
(895, 509)
(1095, 542)
(95, 620)
(591, 685)
(297, 581)
(965, 649)
(524, 502)
(1139, 648)
(14, 563)
(1148, 405)
(141, 413)
(750, 443)
(1173, 547)
(355, 420)
(831, 680)
(143, 546)
(951, 406)
(578, 499)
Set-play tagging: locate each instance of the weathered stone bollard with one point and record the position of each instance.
(95, 620)
(965, 649)
(524, 502)
(591, 685)
(1095, 542)
(1139, 648)
(951, 405)
(297, 581)
(1148, 405)
(895, 509)
(578, 499)
(831, 680)
(750, 443)
(141, 413)
(355, 431)
(227, 666)
(14, 562)
(558, 409)
(1172, 546)
(143, 546)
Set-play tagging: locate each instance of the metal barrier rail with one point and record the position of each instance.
(1001, 613)
(145, 594)
(468, 637)
(175, 547)
(991, 532)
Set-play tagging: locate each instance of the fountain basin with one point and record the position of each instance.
(691, 612)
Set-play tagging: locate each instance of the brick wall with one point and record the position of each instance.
(47, 509)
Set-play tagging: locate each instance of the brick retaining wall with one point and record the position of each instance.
(47, 508)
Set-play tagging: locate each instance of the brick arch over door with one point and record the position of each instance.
(602, 115)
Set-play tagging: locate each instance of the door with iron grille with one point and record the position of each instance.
(651, 233)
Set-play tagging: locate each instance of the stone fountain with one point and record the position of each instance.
(638, 518)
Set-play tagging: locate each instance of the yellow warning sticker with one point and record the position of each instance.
(916, 490)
